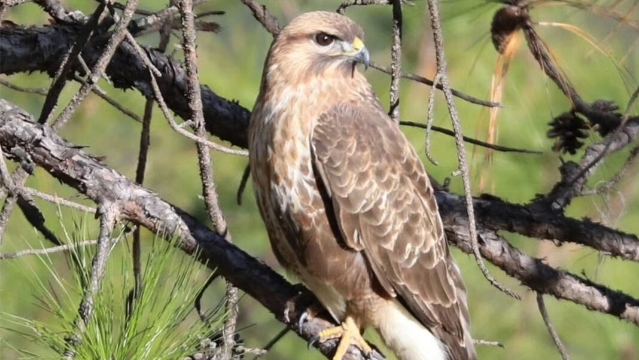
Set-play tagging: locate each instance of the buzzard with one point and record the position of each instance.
(346, 201)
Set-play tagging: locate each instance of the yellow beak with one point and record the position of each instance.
(360, 53)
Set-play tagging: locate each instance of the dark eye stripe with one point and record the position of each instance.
(324, 39)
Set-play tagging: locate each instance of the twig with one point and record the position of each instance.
(15, 195)
(145, 143)
(206, 170)
(155, 21)
(143, 55)
(469, 139)
(425, 81)
(46, 251)
(57, 11)
(431, 118)
(433, 7)
(608, 185)
(617, 131)
(39, 91)
(107, 222)
(58, 200)
(396, 60)
(242, 186)
(10, 201)
(167, 114)
(572, 182)
(263, 16)
(159, 98)
(104, 96)
(67, 64)
(551, 328)
(101, 64)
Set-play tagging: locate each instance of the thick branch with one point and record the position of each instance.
(537, 275)
(42, 49)
(538, 222)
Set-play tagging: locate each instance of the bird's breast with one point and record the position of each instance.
(293, 208)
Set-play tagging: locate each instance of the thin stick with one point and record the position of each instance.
(100, 65)
(608, 185)
(61, 75)
(206, 170)
(431, 118)
(107, 223)
(425, 81)
(396, 60)
(551, 328)
(469, 139)
(39, 91)
(46, 251)
(433, 7)
(263, 16)
(243, 182)
(54, 199)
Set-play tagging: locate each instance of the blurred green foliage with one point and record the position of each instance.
(230, 64)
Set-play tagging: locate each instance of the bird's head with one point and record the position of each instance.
(319, 42)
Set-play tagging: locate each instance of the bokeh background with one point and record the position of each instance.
(230, 63)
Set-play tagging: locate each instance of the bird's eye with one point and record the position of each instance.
(324, 39)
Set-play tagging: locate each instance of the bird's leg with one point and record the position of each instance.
(348, 333)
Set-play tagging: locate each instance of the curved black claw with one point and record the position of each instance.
(312, 341)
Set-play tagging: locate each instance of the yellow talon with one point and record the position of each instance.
(349, 334)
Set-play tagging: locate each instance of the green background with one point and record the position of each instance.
(230, 63)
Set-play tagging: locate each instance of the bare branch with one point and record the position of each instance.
(108, 215)
(206, 169)
(39, 91)
(570, 184)
(54, 199)
(610, 184)
(429, 121)
(537, 222)
(47, 251)
(396, 60)
(101, 63)
(263, 16)
(425, 81)
(551, 328)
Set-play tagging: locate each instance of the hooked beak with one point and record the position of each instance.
(360, 53)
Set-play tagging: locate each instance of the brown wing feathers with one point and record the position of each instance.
(384, 206)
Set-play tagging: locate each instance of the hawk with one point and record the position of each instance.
(346, 201)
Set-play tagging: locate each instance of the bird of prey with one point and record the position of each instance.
(346, 201)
